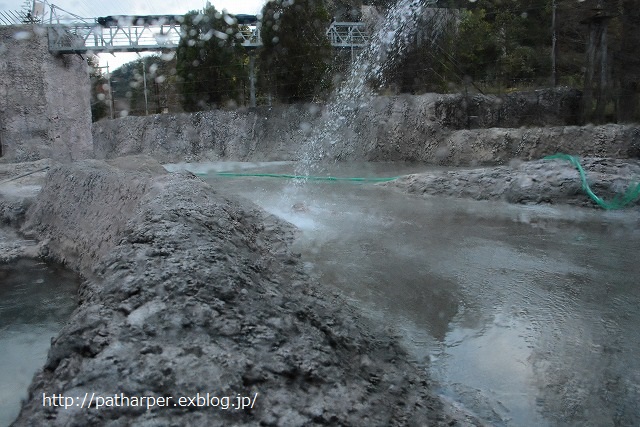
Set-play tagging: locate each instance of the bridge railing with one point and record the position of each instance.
(13, 17)
(250, 36)
(348, 34)
(80, 38)
(136, 35)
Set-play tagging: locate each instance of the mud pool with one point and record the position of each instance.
(526, 315)
(35, 301)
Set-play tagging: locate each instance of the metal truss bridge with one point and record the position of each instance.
(129, 34)
(70, 33)
(148, 33)
(162, 32)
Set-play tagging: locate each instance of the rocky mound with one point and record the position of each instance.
(437, 129)
(541, 181)
(187, 293)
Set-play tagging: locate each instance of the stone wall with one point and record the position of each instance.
(258, 134)
(45, 109)
(388, 128)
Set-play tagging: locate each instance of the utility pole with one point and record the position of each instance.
(144, 78)
(252, 79)
(111, 106)
(554, 39)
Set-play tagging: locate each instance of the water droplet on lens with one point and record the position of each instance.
(22, 35)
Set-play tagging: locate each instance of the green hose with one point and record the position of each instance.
(303, 177)
(632, 193)
(618, 202)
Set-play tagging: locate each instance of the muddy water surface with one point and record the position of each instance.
(35, 301)
(527, 315)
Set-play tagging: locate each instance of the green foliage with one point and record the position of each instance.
(344, 10)
(99, 91)
(477, 45)
(520, 63)
(382, 5)
(500, 46)
(296, 54)
(493, 45)
(490, 43)
(210, 62)
(505, 44)
(128, 86)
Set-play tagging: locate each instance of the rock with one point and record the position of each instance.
(427, 128)
(46, 99)
(20, 183)
(541, 181)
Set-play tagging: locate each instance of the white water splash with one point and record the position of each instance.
(389, 42)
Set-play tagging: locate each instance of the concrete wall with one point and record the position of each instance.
(45, 107)
(389, 128)
(245, 134)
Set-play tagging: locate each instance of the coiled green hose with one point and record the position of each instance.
(618, 202)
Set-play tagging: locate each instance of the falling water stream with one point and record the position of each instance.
(526, 315)
(331, 137)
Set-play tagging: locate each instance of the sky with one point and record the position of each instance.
(94, 9)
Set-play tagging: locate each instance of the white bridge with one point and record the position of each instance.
(135, 34)
(148, 33)
(69, 33)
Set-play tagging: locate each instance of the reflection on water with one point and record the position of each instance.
(35, 301)
(528, 315)
(551, 327)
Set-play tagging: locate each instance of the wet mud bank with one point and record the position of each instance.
(187, 291)
(541, 181)
(20, 183)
